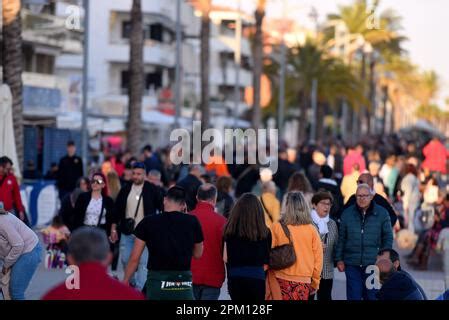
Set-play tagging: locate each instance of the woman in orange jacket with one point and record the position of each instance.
(302, 279)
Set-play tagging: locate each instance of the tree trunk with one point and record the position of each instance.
(320, 114)
(371, 112)
(135, 91)
(384, 109)
(258, 64)
(12, 70)
(205, 36)
(302, 126)
(392, 118)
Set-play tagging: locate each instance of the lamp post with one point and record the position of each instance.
(281, 102)
(84, 135)
(237, 62)
(178, 64)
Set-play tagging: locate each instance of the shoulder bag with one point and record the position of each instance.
(282, 257)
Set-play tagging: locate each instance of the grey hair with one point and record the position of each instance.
(297, 210)
(367, 187)
(269, 186)
(88, 244)
(155, 173)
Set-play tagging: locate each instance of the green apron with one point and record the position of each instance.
(169, 285)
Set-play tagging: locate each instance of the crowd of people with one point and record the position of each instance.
(180, 231)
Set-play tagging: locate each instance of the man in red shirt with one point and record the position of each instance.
(208, 272)
(88, 250)
(9, 190)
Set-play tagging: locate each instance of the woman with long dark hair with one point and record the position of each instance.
(247, 249)
(94, 208)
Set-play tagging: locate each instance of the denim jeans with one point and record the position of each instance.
(206, 293)
(126, 247)
(355, 284)
(22, 272)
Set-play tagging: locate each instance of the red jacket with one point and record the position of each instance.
(10, 193)
(352, 158)
(209, 270)
(436, 155)
(94, 284)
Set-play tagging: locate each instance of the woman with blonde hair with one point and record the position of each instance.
(113, 182)
(298, 182)
(301, 279)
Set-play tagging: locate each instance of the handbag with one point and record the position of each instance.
(127, 225)
(283, 256)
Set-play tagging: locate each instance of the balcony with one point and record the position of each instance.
(153, 53)
(43, 94)
(245, 77)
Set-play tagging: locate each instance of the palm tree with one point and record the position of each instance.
(205, 7)
(335, 81)
(12, 67)
(385, 37)
(259, 15)
(135, 92)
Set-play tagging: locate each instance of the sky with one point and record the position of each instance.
(425, 23)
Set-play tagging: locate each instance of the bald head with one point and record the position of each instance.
(366, 178)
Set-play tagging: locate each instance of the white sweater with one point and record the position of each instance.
(15, 239)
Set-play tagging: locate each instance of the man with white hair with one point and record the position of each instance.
(364, 230)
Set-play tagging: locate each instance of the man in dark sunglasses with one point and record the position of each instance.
(366, 178)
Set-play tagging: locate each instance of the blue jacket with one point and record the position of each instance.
(362, 236)
(400, 286)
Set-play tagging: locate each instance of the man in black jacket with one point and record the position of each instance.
(366, 178)
(327, 183)
(70, 170)
(393, 256)
(191, 183)
(135, 201)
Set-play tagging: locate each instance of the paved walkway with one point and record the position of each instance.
(432, 281)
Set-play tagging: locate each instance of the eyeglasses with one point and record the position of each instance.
(97, 181)
(327, 204)
(363, 196)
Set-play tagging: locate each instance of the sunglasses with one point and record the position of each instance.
(97, 181)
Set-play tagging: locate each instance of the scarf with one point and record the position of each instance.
(320, 222)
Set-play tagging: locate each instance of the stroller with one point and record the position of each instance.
(55, 256)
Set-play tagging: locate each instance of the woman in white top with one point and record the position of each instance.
(95, 208)
(411, 198)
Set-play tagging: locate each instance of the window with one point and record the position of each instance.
(45, 63)
(124, 82)
(156, 31)
(126, 29)
(153, 79)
